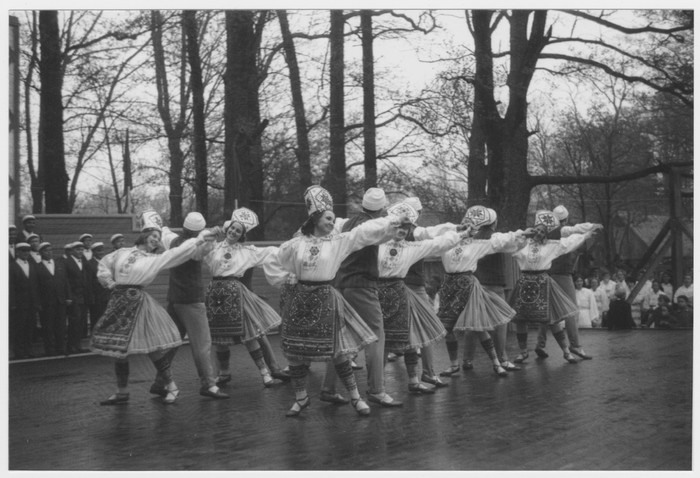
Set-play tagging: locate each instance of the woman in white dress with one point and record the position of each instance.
(237, 315)
(319, 324)
(601, 300)
(537, 298)
(134, 323)
(587, 305)
(409, 322)
(465, 305)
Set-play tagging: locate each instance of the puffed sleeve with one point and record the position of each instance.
(264, 254)
(374, 231)
(104, 270)
(435, 247)
(508, 241)
(572, 242)
(423, 233)
(287, 253)
(275, 274)
(582, 228)
(338, 225)
(177, 255)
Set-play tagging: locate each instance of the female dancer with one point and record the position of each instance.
(465, 306)
(537, 298)
(409, 322)
(319, 325)
(235, 313)
(134, 323)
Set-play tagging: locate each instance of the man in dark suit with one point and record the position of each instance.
(24, 301)
(78, 274)
(29, 228)
(55, 299)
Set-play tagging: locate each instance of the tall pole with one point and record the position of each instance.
(13, 158)
(676, 234)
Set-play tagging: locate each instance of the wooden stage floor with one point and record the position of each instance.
(630, 408)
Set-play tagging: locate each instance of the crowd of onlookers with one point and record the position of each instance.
(603, 301)
(55, 299)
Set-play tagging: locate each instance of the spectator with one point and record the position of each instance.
(81, 293)
(683, 312)
(685, 289)
(650, 300)
(608, 286)
(620, 313)
(55, 298)
(117, 241)
(663, 319)
(602, 302)
(34, 243)
(666, 284)
(29, 225)
(86, 239)
(24, 301)
(621, 282)
(12, 240)
(587, 307)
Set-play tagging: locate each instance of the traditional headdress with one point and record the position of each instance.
(480, 216)
(317, 199)
(151, 220)
(547, 219)
(246, 217)
(403, 209)
(414, 202)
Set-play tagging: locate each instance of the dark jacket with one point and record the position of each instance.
(185, 285)
(360, 268)
(23, 290)
(564, 264)
(54, 288)
(490, 269)
(79, 281)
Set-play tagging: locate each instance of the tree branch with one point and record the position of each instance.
(659, 168)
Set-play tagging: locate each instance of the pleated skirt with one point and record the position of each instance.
(319, 324)
(133, 323)
(236, 314)
(537, 298)
(465, 305)
(409, 322)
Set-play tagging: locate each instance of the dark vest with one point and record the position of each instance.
(359, 269)
(490, 269)
(565, 264)
(416, 274)
(185, 285)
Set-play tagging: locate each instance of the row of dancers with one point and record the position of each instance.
(348, 285)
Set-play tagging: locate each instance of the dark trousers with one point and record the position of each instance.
(77, 323)
(22, 323)
(53, 328)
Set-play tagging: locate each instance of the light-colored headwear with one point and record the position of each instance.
(75, 244)
(97, 245)
(493, 214)
(27, 218)
(12, 226)
(151, 220)
(414, 202)
(85, 236)
(374, 199)
(317, 199)
(246, 217)
(195, 222)
(115, 237)
(32, 236)
(403, 209)
(560, 213)
(44, 244)
(547, 219)
(480, 216)
(22, 245)
(67, 246)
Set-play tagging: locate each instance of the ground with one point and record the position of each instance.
(630, 408)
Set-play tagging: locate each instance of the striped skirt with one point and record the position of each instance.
(538, 298)
(465, 305)
(318, 325)
(133, 323)
(236, 314)
(409, 322)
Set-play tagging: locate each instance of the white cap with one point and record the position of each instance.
(96, 245)
(44, 244)
(547, 219)
(246, 217)
(317, 199)
(374, 199)
(151, 220)
(195, 222)
(85, 236)
(403, 209)
(12, 226)
(414, 202)
(560, 213)
(22, 245)
(115, 237)
(75, 244)
(27, 218)
(32, 236)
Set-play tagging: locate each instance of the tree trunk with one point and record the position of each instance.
(369, 125)
(52, 163)
(243, 149)
(200, 136)
(303, 151)
(36, 181)
(336, 168)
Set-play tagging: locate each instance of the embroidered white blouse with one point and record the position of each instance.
(465, 255)
(396, 257)
(132, 266)
(539, 256)
(227, 260)
(312, 258)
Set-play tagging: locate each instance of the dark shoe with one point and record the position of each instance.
(223, 379)
(158, 389)
(522, 357)
(218, 394)
(467, 365)
(580, 353)
(450, 371)
(335, 398)
(360, 406)
(541, 353)
(433, 381)
(354, 365)
(281, 375)
(269, 382)
(298, 406)
(570, 358)
(500, 371)
(510, 367)
(419, 388)
(116, 399)
(384, 400)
